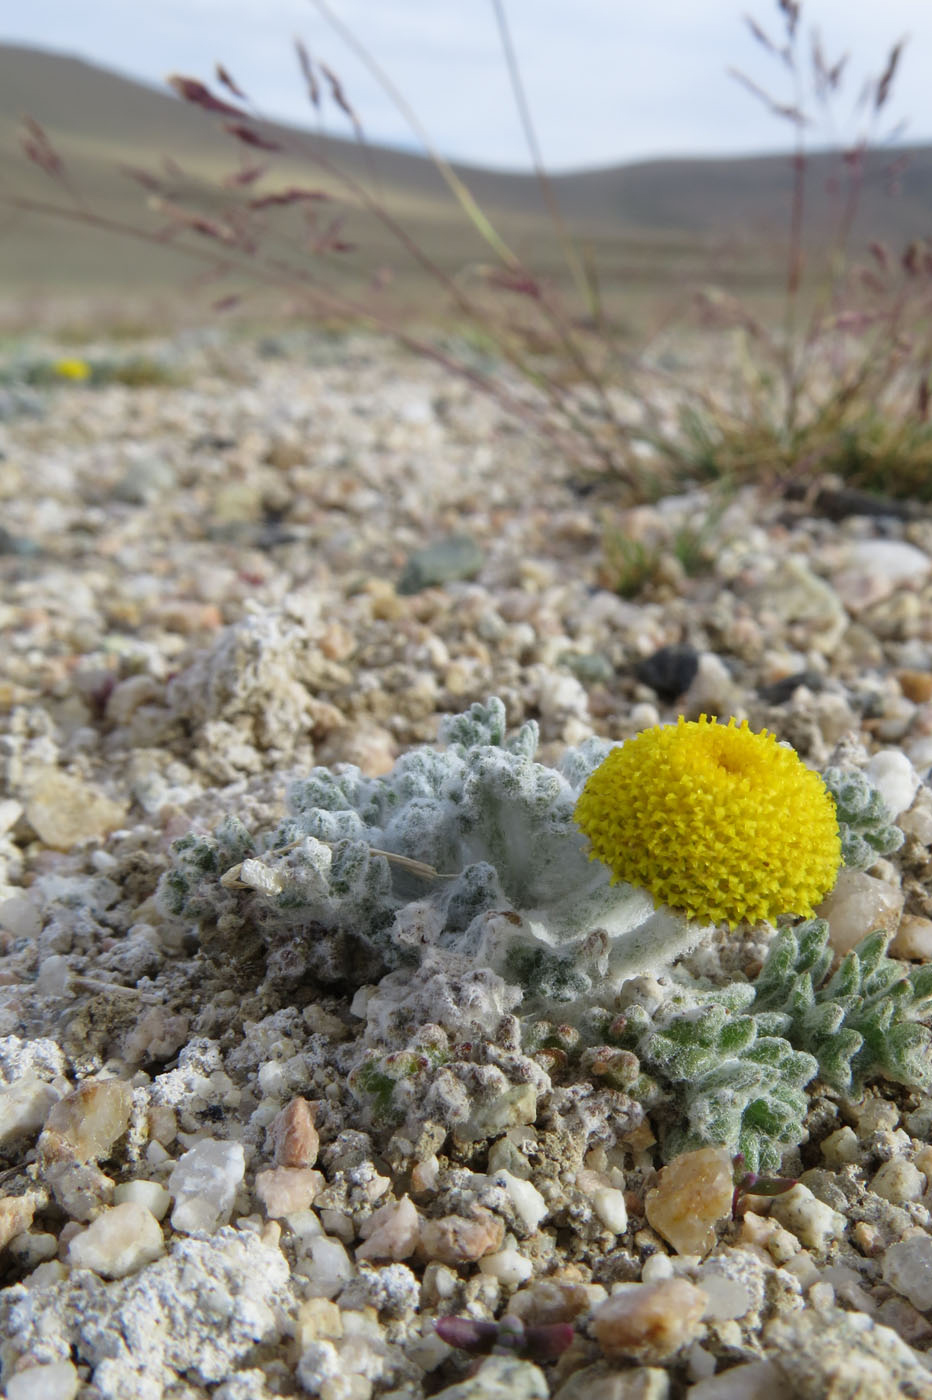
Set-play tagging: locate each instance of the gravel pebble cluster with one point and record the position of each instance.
(306, 551)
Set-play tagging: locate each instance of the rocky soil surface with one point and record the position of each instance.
(306, 551)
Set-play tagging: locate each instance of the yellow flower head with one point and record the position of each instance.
(715, 820)
(72, 369)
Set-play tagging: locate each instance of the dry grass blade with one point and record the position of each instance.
(224, 78)
(250, 137)
(310, 77)
(199, 95)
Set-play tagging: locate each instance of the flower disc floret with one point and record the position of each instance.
(714, 820)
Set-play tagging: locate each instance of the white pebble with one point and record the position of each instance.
(326, 1265)
(895, 779)
(608, 1202)
(204, 1183)
(656, 1267)
(120, 1241)
(529, 1204)
(144, 1193)
(898, 1181)
(59, 1381)
(907, 1268)
(813, 1223)
(508, 1266)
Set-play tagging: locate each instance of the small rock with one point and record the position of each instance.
(858, 905)
(63, 811)
(144, 1193)
(649, 1321)
(916, 685)
(508, 1266)
(144, 480)
(877, 568)
(391, 1232)
(813, 1223)
(283, 1190)
(669, 671)
(898, 1181)
(295, 1141)
(599, 1383)
(16, 1215)
(753, 1380)
(58, 1381)
(84, 1125)
(457, 1239)
(490, 1119)
(529, 1204)
(913, 939)
(80, 1188)
(24, 1107)
(500, 1378)
(693, 1193)
(326, 1265)
(456, 557)
(204, 1183)
(713, 690)
(907, 1268)
(895, 778)
(119, 1242)
(841, 1147)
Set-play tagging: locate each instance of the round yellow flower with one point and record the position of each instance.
(715, 820)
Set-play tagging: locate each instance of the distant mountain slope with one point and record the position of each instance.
(101, 119)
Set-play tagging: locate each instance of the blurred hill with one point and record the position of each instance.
(672, 223)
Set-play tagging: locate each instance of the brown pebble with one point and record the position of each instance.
(916, 685)
(457, 1239)
(693, 1193)
(294, 1138)
(649, 1321)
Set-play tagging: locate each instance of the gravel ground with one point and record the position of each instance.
(304, 552)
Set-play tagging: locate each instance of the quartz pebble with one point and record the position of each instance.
(63, 811)
(84, 1125)
(913, 939)
(16, 1215)
(500, 1378)
(118, 1242)
(284, 1190)
(601, 1383)
(693, 1193)
(898, 1181)
(57, 1381)
(204, 1183)
(649, 1321)
(24, 1107)
(457, 1239)
(858, 905)
(753, 1380)
(144, 1193)
(907, 1267)
(391, 1232)
(895, 779)
(813, 1223)
(294, 1138)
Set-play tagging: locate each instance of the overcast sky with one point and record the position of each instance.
(606, 80)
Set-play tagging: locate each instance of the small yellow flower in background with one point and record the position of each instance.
(72, 369)
(714, 820)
